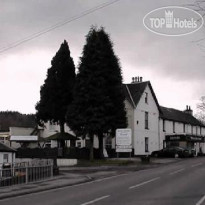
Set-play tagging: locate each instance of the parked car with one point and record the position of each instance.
(171, 152)
(192, 152)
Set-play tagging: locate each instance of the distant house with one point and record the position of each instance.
(25, 137)
(7, 154)
(51, 132)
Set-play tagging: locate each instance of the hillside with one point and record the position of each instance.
(15, 119)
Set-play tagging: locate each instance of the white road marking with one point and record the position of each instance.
(143, 183)
(46, 191)
(196, 165)
(201, 200)
(61, 188)
(95, 200)
(105, 178)
(177, 171)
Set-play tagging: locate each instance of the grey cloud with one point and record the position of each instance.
(123, 20)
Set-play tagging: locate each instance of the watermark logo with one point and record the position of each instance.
(173, 21)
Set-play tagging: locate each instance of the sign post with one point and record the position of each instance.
(123, 140)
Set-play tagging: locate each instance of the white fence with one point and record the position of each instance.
(25, 172)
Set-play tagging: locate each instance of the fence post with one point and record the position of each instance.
(51, 170)
(26, 174)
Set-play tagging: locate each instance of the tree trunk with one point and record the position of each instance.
(62, 128)
(62, 131)
(91, 148)
(101, 147)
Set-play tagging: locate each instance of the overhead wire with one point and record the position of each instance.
(55, 26)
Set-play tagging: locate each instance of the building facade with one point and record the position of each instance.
(7, 155)
(153, 126)
(143, 116)
(181, 128)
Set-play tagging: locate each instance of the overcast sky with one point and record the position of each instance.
(174, 65)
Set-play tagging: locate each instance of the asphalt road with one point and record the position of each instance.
(181, 183)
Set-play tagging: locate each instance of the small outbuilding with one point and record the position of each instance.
(62, 139)
(7, 155)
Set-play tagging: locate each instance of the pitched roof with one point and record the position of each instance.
(5, 148)
(134, 91)
(179, 116)
(62, 136)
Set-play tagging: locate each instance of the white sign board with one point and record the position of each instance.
(24, 138)
(123, 140)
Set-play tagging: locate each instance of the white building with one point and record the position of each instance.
(153, 126)
(143, 116)
(180, 128)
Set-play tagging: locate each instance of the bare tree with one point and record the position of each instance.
(201, 110)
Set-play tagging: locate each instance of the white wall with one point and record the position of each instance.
(66, 162)
(139, 125)
(130, 119)
(180, 130)
(11, 157)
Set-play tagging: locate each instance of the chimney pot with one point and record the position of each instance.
(188, 110)
(133, 79)
(140, 79)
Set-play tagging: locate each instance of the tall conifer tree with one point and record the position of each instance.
(56, 93)
(98, 107)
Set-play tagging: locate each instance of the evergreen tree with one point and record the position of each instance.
(56, 93)
(98, 106)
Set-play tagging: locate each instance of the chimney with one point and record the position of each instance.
(140, 79)
(188, 110)
(137, 79)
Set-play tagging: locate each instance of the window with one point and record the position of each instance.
(146, 98)
(184, 128)
(192, 129)
(78, 144)
(200, 130)
(146, 144)
(6, 158)
(146, 120)
(163, 125)
(173, 127)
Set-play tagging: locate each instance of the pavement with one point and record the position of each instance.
(76, 175)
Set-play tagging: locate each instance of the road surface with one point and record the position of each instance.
(181, 183)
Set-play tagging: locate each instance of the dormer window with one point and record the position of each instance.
(146, 98)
